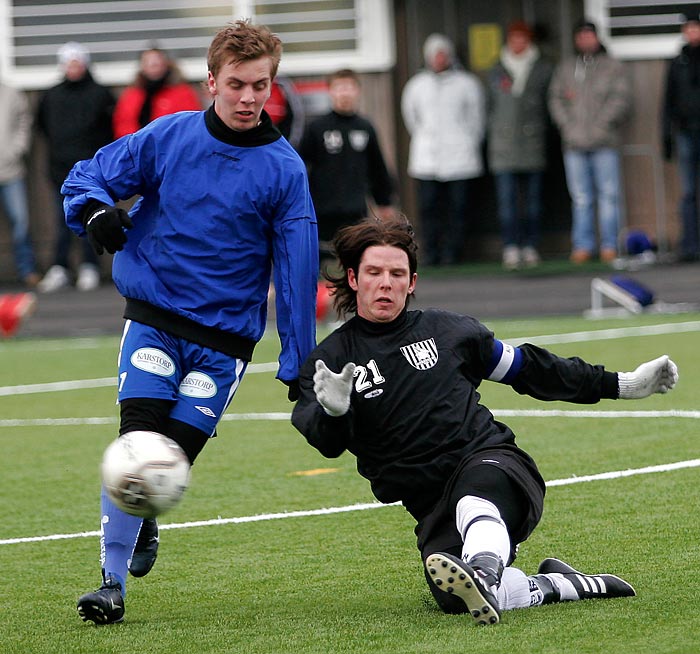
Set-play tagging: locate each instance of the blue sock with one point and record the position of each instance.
(118, 537)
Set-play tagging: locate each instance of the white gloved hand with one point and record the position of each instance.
(657, 376)
(333, 389)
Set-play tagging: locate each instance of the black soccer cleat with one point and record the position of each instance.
(452, 575)
(601, 586)
(146, 548)
(103, 606)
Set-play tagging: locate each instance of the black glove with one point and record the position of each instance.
(668, 147)
(105, 227)
(293, 390)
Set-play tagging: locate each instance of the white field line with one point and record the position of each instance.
(286, 417)
(53, 345)
(693, 463)
(26, 389)
(608, 334)
(253, 368)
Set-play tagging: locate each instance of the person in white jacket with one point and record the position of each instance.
(443, 108)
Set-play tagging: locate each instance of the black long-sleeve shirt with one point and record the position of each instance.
(415, 410)
(345, 166)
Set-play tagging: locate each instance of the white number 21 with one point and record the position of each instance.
(362, 383)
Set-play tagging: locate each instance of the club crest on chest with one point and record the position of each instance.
(422, 355)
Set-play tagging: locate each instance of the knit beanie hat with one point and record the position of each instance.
(437, 43)
(73, 51)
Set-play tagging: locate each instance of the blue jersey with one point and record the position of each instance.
(219, 211)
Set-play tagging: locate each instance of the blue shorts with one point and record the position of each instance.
(200, 381)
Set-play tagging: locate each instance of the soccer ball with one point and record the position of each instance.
(145, 473)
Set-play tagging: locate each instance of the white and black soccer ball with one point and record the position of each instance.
(145, 473)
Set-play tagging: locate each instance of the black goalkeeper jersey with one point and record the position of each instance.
(345, 165)
(415, 410)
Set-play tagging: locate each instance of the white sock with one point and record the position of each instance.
(567, 591)
(482, 528)
(517, 591)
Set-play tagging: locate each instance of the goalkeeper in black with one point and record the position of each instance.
(399, 390)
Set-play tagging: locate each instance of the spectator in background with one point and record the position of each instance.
(443, 110)
(158, 90)
(681, 121)
(345, 163)
(15, 136)
(589, 98)
(518, 123)
(75, 116)
(286, 110)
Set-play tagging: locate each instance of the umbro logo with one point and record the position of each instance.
(206, 411)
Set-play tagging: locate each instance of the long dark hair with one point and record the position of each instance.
(350, 243)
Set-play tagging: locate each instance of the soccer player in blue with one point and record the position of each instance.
(224, 202)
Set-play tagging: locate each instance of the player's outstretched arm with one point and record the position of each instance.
(657, 376)
(333, 389)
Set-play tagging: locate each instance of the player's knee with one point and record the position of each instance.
(151, 414)
(189, 438)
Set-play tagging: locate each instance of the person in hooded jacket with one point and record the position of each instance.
(443, 108)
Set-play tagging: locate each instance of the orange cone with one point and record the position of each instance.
(323, 301)
(13, 309)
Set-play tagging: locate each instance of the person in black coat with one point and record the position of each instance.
(681, 130)
(75, 117)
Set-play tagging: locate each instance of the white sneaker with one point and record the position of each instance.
(88, 277)
(511, 257)
(55, 279)
(531, 257)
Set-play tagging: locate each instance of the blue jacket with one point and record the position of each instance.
(219, 210)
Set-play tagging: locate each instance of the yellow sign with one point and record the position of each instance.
(485, 41)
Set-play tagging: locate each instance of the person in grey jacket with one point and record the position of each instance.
(517, 133)
(15, 136)
(443, 109)
(589, 99)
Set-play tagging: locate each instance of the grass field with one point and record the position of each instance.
(249, 564)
